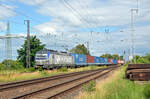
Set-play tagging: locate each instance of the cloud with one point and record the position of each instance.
(95, 14)
(91, 15)
(2, 26)
(6, 11)
(33, 2)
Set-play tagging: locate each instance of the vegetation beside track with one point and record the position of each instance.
(31, 73)
(143, 59)
(117, 87)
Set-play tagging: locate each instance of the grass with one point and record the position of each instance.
(117, 87)
(25, 74)
(90, 87)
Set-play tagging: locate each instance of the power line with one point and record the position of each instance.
(85, 11)
(89, 16)
(68, 5)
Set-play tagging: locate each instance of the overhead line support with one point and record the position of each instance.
(28, 62)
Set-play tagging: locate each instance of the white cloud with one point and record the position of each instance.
(33, 2)
(6, 11)
(2, 26)
(96, 13)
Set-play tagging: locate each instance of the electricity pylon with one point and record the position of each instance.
(8, 43)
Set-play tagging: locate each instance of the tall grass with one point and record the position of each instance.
(117, 87)
(31, 73)
(90, 87)
(63, 69)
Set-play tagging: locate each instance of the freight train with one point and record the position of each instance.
(50, 59)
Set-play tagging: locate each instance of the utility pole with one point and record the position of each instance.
(28, 63)
(132, 34)
(88, 46)
(89, 43)
(124, 56)
(106, 31)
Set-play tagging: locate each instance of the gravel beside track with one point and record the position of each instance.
(47, 87)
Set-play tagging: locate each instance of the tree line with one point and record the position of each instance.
(36, 45)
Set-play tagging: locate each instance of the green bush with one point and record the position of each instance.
(13, 65)
(146, 91)
(2, 66)
(63, 69)
(143, 59)
(44, 73)
(91, 86)
(32, 69)
(40, 69)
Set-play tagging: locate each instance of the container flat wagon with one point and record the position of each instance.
(53, 59)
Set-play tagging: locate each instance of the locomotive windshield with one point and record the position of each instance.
(41, 56)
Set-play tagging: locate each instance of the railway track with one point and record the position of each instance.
(49, 87)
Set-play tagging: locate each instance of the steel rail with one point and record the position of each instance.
(58, 85)
(78, 85)
(39, 80)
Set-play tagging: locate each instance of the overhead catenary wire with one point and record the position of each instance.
(83, 12)
(89, 16)
(73, 10)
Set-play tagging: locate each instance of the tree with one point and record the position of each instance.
(147, 57)
(113, 56)
(13, 65)
(121, 57)
(106, 56)
(142, 59)
(80, 49)
(35, 45)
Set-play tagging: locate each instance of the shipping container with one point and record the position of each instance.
(99, 60)
(79, 59)
(62, 59)
(89, 59)
(109, 61)
(106, 60)
(114, 61)
(117, 61)
(120, 62)
(52, 59)
(102, 60)
(96, 59)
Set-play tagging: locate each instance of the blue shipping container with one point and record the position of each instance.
(79, 59)
(96, 59)
(114, 61)
(106, 60)
(100, 60)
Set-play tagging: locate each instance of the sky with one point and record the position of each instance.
(62, 24)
